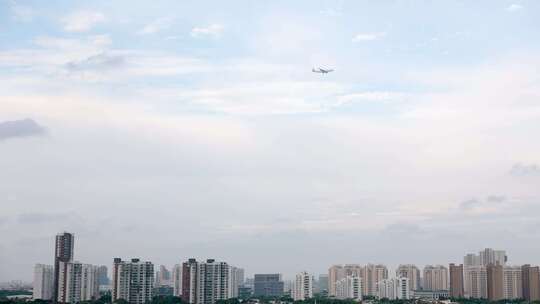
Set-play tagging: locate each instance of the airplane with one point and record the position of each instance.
(322, 71)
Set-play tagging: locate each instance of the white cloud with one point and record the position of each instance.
(157, 25)
(94, 42)
(288, 38)
(23, 13)
(331, 12)
(82, 21)
(47, 57)
(521, 170)
(514, 7)
(100, 40)
(368, 36)
(213, 30)
(370, 96)
(253, 97)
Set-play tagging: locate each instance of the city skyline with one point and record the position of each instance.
(198, 129)
(485, 275)
(66, 242)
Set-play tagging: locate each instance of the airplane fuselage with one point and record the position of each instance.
(321, 71)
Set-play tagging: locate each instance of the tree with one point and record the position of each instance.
(166, 300)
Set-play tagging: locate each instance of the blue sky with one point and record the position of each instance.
(201, 122)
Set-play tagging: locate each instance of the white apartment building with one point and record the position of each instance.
(435, 278)
(43, 282)
(236, 278)
(411, 272)
(394, 289)
(349, 287)
(288, 287)
(303, 287)
(370, 274)
(212, 282)
(177, 280)
(132, 281)
(206, 282)
(77, 282)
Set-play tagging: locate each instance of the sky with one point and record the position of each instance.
(197, 129)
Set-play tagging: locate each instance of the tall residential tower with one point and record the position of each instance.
(63, 253)
(43, 282)
(132, 281)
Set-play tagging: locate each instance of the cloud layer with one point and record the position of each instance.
(82, 21)
(20, 128)
(213, 30)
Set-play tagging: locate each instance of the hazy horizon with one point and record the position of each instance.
(198, 129)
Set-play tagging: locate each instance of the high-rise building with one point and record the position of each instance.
(352, 270)
(103, 277)
(205, 282)
(43, 282)
(476, 282)
(177, 280)
(471, 259)
(512, 282)
(303, 287)
(371, 275)
(250, 282)
(213, 282)
(189, 281)
(435, 277)
(530, 280)
(268, 285)
(241, 276)
(63, 253)
(349, 287)
(132, 281)
(412, 273)
(483, 258)
(163, 277)
(323, 284)
(495, 284)
(490, 256)
(236, 279)
(288, 288)
(456, 281)
(77, 282)
(394, 289)
(335, 273)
